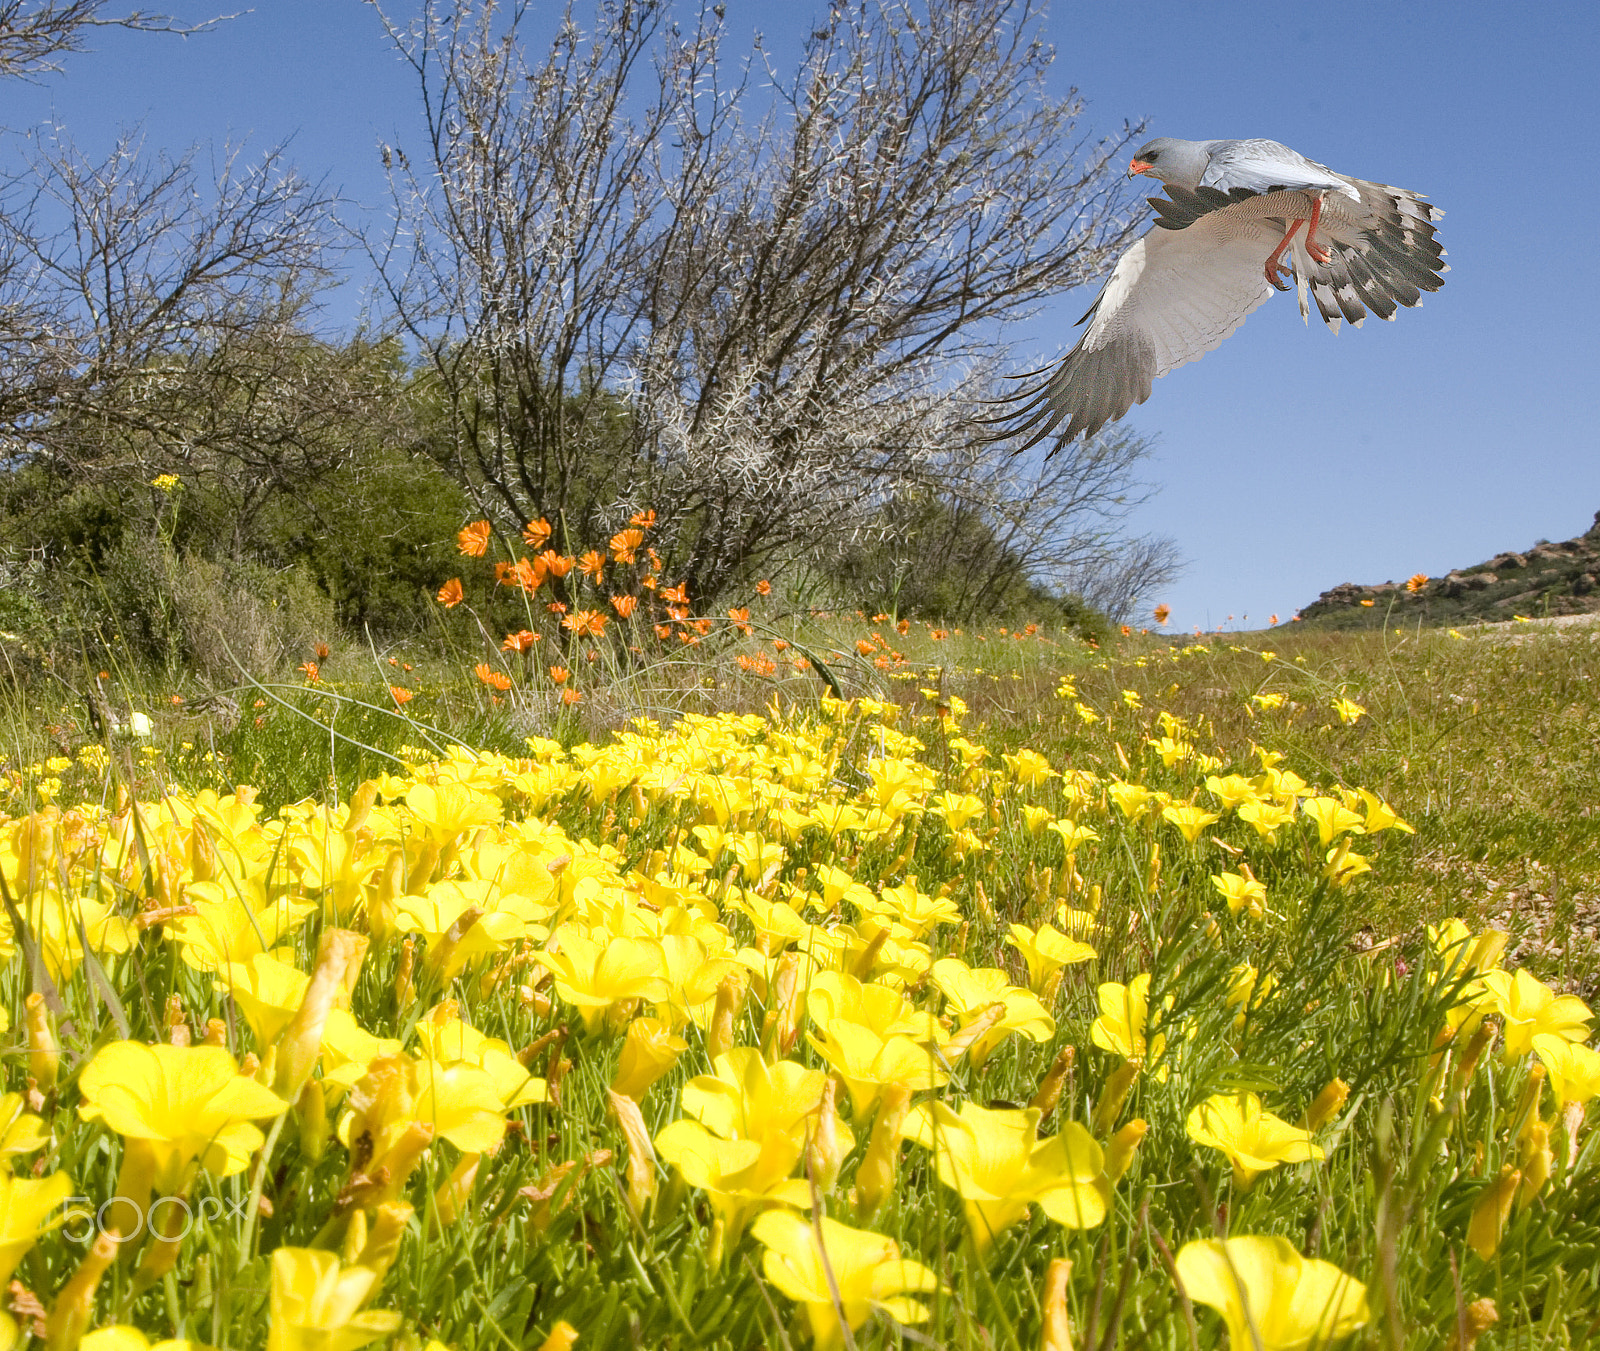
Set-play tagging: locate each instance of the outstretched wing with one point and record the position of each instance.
(1173, 296)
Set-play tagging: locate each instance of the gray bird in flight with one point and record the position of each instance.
(1237, 214)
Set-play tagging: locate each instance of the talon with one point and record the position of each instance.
(1273, 266)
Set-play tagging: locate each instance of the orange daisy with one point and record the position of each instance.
(495, 680)
(474, 539)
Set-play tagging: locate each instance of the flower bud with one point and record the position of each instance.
(1122, 1146)
(74, 1307)
(1490, 1214)
(719, 1036)
(405, 989)
(1113, 1095)
(825, 1152)
(783, 1008)
(300, 1043)
(361, 806)
(561, 1338)
(1571, 1119)
(1479, 1317)
(1482, 1037)
(1326, 1105)
(641, 1153)
(1057, 1324)
(44, 1052)
(455, 1191)
(311, 1110)
(648, 1051)
(380, 1243)
(1054, 1080)
(1537, 1161)
(875, 1177)
(1526, 1112)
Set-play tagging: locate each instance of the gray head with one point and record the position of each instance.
(1172, 161)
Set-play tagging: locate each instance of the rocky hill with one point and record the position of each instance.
(1548, 579)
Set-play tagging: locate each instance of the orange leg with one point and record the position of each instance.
(1317, 252)
(1273, 263)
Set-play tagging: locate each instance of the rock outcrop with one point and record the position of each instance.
(1548, 579)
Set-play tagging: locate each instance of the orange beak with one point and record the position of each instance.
(1138, 166)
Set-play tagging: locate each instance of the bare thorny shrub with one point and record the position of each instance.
(35, 34)
(635, 286)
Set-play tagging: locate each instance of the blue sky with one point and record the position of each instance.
(1289, 459)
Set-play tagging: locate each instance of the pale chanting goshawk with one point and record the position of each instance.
(1235, 215)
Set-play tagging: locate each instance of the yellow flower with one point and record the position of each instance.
(1530, 1007)
(121, 1337)
(229, 927)
(1172, 750)
(750, 1125)
(1124, 1013)
(1029, 768)
(834, 995)
(996, 1163)
(1073, 835)
(1269, 1295)
(1349, 712)
(1380, 815)
(447, 1040)
(28, 1208)
(20, 1132)
(1232, 790)
(1133, 800)
(870, 1062)
(865, 1268)
(971, 993)
(1189, 819)
(266, 991)
(458, 1102)
(1242, 893)
(186, 1106)
(1574, 1069)
(316, 1306)
(1461, 953)
(1047, 950)
(1333, 818)
(594, 977)
(1253, 1140)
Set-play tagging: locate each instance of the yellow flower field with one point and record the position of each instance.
(845, 1026)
